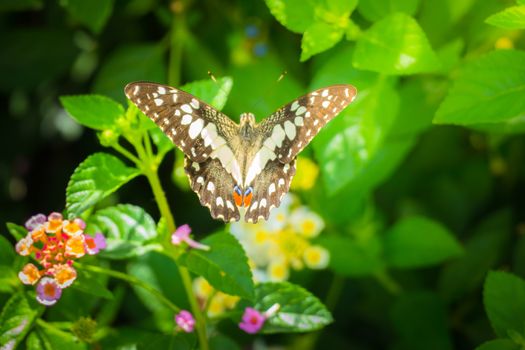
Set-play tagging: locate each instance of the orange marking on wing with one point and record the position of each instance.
(237, 198)
(248, 200)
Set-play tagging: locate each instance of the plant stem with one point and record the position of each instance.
(388, 282)
(164, 209)
(178, 32)
(129, 279)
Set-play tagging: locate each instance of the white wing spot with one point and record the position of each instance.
(210, 187)
(193, 152)
(161, 90)
(262, 204)
(286, 168)
(326, 104)
(195, 166)
(316, 122)
(173, 131)
(194, 103)
(299, 121)
(289, 128)
(346, 92)
(307, 115)
(325, 93)
(177, 113)
(200, 180)
(278, 135)
(280, 182)
(294, 106)
(136, 90)
(174, 97)
(219, 201)
(308, 132)
(186, 119)
(195, 128)
(186, 108)
(230, 205)
(254, 206)
(268, 143)
(158, 101)
(300, 110)
(271, 189)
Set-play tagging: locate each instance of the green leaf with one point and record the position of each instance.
(349, 142)
(17, 231)
(221, 342)
(510, 18)
(91, 284)
(224, 266)
(17, 318)
(395, 45)
(160, 140)
(127, 229)
(7, 253)
(295, 15)
(127, 64)
(421, 322)
(211, 92)
(504, 299)
(9, 281)
(349, 257)
(94, 111)
(482, 252)
(319, 37)
(482, 94)
(300, 311)
(161, 272)
(417, 242)
(20, 5)
(33, 342)
(94, 179)
(374, 10)
(499, 344)
(54, 338)
(93, 13)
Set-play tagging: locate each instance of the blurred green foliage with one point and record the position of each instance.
(421, 182)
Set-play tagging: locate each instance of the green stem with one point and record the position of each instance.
(130, 279)
(117, 147)
(178, 33)
(164, 209)
(388, 282)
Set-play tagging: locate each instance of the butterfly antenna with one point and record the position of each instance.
(270, 90)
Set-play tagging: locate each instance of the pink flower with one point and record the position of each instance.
(182, 234)
(95, 244)
(35, 221)
(48, 291)
(252, 321)
(185, 321)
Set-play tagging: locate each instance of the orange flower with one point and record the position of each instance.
(64, 275)
(75, 247)
(23, 247)
(29, 274)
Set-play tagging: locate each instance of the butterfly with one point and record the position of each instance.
(239, 168)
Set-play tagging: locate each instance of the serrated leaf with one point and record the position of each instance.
(482, 94)
(54, 338)
(499, 344)
(93, 13)
(127, 229)
(9, 280)
(351, 258)
(7, 253)
(295, 15)
(504, 299)
(300, 311)
(17, 231)
(33, 342)
(91, 284)
(395, 45)
(417, 242)
(510, 18)
(374, 10)
(94, 111)
(214, 93)
(95, 178)
(319, 37)
(224, 266)
(17, 318)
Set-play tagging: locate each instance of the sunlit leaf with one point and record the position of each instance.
(94, 111)
(17, 318)
(510, 18)
(296, 15)
(374, 10)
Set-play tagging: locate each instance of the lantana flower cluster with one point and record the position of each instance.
(283, 242)
(54, 243)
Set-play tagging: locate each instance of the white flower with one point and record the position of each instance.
(316, 257)
(306, 222)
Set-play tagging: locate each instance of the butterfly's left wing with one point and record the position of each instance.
(289, 130)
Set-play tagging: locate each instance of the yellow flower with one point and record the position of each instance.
(306, 174)
(278, 271)
(29, 274)
(64, 275)
(75, 246)
(316, 257)
(202, 288)
(306, 222)
(504, 43)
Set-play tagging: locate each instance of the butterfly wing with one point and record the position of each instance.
(268, 191)
(289, 130)
(195, 127)
(214, 186)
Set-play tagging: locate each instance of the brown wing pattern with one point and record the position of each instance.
(289, 130)
(214, 186)
(269, 188)
(195, 127)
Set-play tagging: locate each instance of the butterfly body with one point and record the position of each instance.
(239, 168)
